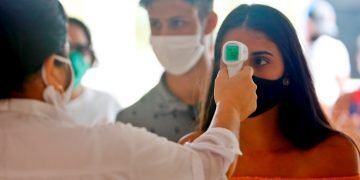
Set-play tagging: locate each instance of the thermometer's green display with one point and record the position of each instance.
(232, 53)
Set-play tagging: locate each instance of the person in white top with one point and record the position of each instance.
(327, 57)
(87, 106)
(39, 140)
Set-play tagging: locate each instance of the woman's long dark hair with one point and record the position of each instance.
(301, 120)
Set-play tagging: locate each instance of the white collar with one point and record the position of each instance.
(33, 107)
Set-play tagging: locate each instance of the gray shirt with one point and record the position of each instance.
(160, 112)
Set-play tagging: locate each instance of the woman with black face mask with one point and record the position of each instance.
(288, 136)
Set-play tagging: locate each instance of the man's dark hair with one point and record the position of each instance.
(204, 6)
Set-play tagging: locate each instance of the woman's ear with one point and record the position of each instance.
(211, 22)
(286, 80)
(52, 73)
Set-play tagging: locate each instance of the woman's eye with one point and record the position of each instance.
(261, 61)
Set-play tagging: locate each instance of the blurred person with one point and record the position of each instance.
(346, 112)
(288, 136)
(327, 57)
(87, 106)
(182, 42)
(40, 141)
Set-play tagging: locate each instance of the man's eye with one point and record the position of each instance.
(155, 24)
(177, 23)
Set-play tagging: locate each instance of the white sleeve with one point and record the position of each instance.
(220, 142)
(207, 158)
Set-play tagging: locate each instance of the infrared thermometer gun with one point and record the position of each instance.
(234, 55)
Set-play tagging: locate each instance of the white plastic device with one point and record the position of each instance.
(234, 55)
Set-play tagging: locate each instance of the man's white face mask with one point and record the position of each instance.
(53, 96)
(178, 54)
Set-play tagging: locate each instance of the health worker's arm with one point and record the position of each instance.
(210, 155)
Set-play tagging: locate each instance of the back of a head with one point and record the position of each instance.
(30, 31)
(323, 15)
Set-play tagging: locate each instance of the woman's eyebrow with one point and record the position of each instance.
(257, 53)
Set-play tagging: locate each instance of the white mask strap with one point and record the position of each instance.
(58, 58)
(62, 59)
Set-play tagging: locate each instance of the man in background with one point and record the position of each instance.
(182, 42)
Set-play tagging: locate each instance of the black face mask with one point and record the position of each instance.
(269, 94)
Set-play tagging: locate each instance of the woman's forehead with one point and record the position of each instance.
(255, 40)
